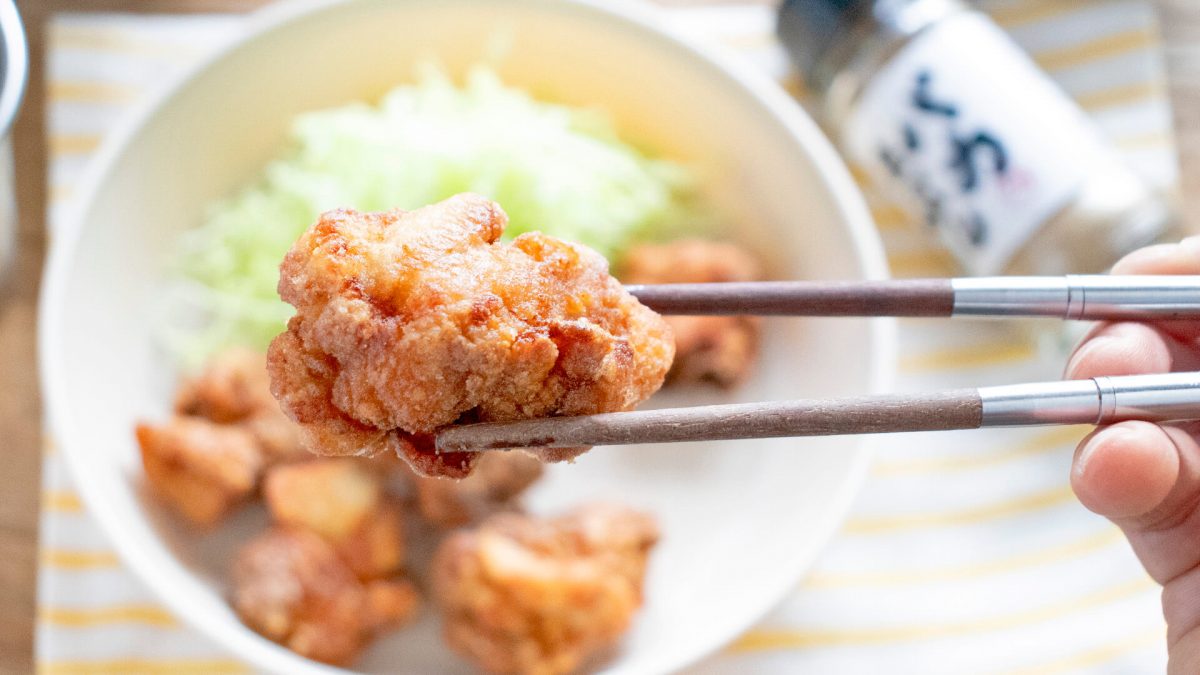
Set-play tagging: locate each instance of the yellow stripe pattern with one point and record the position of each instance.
(147, 615)
(66, 559)
(943, 574)
(1052, 440)
(144, 667)
(912, 252)
(77, 91)
(890, 218)
(123, 43)
(975, 515)
(1016, 14)
(1122, 95)
(934, 262)
(74, 144)
(1104, 47)
(771, 640)
(62, 501)
(1008, 351)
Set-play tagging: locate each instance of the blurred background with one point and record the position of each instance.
(1176, 42)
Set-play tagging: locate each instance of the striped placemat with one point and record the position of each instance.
(966, 552)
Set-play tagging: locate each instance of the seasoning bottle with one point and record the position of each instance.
(959, 126)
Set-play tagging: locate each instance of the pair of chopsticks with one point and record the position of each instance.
(1102, 400)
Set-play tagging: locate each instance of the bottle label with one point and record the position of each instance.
(963, 128)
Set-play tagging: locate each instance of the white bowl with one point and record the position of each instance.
(742, 520)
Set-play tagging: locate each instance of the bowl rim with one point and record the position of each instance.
(261, 652)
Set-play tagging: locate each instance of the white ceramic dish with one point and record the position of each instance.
(742, 521)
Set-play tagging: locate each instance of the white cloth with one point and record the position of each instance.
(966, 552)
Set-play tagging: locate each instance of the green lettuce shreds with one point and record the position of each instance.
(553, 168)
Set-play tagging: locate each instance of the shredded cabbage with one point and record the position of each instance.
(553, 168)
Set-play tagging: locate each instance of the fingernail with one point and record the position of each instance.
(1081, 462)
(1088, 347)
(1191, 247)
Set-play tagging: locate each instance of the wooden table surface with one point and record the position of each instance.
(20, 407)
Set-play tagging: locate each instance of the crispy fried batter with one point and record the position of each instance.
(331, 497)
(277, 436)
(391, 604)
(290, 586)
(376, 548)
(410, 321)
(528, 596)
(234, 388)
(201, 469)
(717, 349)
(499, 478)
(342, 500)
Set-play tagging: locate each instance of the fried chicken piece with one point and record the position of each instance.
(201, 469)
(376, 548)
(234, 388)
(410, 321)
(331, 497)
(341, 500)
(528, 596)
(231, 387)
(717, 349)
(277, 436)
(498, 479)
(391, 604)
(290, 586)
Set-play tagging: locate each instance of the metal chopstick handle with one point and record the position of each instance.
(1079, 297)
(1102, 400)
(1154, 398)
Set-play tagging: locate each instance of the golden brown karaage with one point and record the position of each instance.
(342, 500)
(207, 459)
(290, 586)
(201, 469)
(390, 604)
(539, 597)
(233, 388)
(499, 478)
(716, 349)
(410, 321)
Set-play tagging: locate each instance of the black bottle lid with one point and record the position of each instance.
(810, 28)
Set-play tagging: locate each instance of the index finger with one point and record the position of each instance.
(1181, 258)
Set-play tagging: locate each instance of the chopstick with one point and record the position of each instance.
(1101, 400)
(1076, 297)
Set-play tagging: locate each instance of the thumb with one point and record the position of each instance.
(1125, 472)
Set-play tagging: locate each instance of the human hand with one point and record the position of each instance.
(1146, 477)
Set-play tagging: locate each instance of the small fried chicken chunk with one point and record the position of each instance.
(277, 436)
(290, 586)
(340, 499)
(410, 321)
(390, 604)
(234, 388)
(231, 387)
(716, 349)
(499, 478)
(539, 597)
(201, 469)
